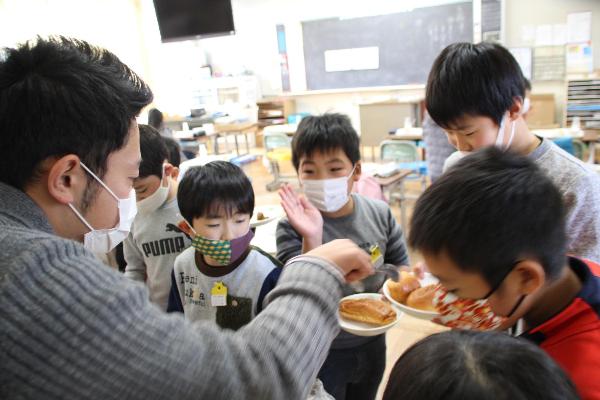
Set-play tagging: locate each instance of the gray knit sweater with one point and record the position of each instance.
(72, 328)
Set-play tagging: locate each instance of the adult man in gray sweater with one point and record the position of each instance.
(73, 328)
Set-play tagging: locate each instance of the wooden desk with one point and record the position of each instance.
(225, 130)
(414, 134)
(392, 179)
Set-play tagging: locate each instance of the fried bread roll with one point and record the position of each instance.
(422, 298)
(371, 311)
(405, 285)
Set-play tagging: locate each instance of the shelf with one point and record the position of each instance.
(583, 101)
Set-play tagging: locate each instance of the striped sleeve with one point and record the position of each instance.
(73, 328)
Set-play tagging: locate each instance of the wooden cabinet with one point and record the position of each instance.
(274, 111)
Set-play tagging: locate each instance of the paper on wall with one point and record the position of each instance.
(360, 58)
(580, 58)
(579, 27)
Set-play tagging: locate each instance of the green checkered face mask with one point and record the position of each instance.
(223, 251)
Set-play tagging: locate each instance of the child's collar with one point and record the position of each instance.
(221, 270)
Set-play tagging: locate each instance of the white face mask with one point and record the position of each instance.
(526, 105)
(104, 240)
(156, 199)
(327, 195)
(500, 138)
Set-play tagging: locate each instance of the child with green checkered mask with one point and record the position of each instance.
(220, 277)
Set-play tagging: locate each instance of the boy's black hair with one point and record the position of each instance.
(62, 96)
(489, 211)
(527, 84)
(155, 118)
(174, 151)
(325, 133)
(482, 79)
(470, 365)
(154, 152)
(216, 187)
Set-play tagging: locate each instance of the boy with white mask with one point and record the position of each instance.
(326, 155)
(477, 93)
(155, 241)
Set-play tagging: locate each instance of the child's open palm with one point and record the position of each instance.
(304, 217)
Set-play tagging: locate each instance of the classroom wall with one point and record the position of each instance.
(257, 47)
(129, 29)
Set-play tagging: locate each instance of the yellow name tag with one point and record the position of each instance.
(376, 256)
(218, 295)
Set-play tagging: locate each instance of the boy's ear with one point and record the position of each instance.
(529, 276)
(357, 171)
(516, 108)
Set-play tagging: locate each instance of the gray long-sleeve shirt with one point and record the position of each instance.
(72, 328)
(580, 187)
(151, 249)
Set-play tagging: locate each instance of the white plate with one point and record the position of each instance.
(270, 212)
(414, 312)
(361, 328)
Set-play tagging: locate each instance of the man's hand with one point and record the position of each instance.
(353, 262)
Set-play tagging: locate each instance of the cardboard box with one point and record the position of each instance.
(541, 113)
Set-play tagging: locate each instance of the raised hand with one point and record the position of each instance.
(304, 217)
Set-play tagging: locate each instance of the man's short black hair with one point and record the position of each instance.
(482, 79)
(470, 365)
(211, 189)
(154, 152)
(325, 133)
(174, 151)
(62, 96)
(489, 211)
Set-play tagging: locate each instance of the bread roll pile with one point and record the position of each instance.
(408, 291)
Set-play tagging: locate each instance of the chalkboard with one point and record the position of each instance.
(408, 43)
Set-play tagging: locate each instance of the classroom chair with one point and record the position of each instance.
(406, 154)
(572, 146)
(579, 148)
(277, 150)
(565, 143)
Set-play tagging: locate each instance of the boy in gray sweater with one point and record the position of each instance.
(476, 93)
(325, 153)
(221, 277)
(154, 240)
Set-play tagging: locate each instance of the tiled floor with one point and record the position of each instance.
(408, 330)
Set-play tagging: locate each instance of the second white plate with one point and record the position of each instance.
(270, 213)
(413, 312)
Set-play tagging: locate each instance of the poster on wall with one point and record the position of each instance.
(580, 59)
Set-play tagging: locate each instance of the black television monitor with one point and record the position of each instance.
(193, 19)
